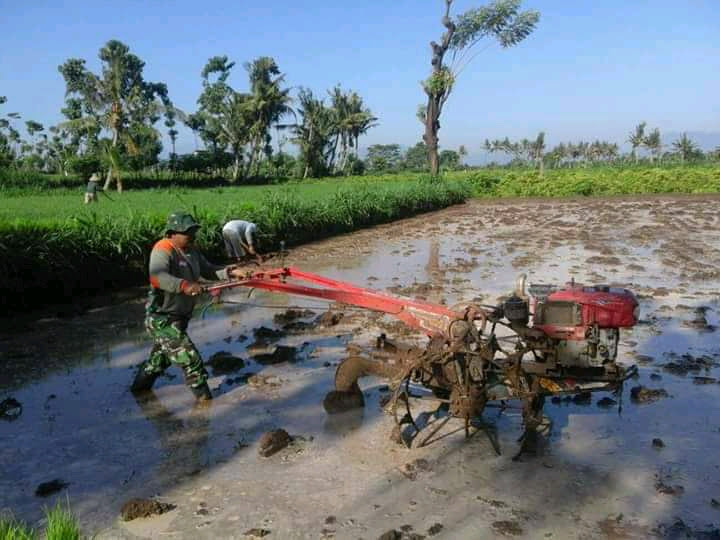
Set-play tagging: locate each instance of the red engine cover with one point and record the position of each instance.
(608, 307)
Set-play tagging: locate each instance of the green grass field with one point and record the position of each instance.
(51, 206)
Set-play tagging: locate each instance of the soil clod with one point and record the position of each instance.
(330, 318)
(583, 398)
(256, 533)
(411, 469)
(658, 443)
(265, 333)
(606, 402)
(434, 529)
(10, 409)
(273, 441)
(263, 381)
(337, 401)
(291, 315)
(143, 508)
(508, 528)
(282, 353)
(222, 363)
(640, 394)
(48, 488)
(686, 363)
(704, 380)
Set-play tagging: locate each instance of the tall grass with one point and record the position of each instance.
(50, 261)
(14, 530)
(61, 523)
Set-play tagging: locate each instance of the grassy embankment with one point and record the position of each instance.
(54, 249)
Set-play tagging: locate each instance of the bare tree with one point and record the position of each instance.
(501, 20)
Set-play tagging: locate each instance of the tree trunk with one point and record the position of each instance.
(437, 98)
(430, 137)
(236, 167)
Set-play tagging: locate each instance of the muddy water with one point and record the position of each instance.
(598, 474)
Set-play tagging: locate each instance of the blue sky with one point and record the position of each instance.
(592, 69)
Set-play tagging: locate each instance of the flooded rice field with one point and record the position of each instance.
(70, 430)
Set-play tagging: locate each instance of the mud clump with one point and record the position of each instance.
(282, 353)
(411, 469)
(606, 402)
(48, 488)
(291, 315)
(337, 401)
(434, 529)
(689, 363)
(264, 333)
(704, 380)
(658, 443)
(507, 528)
(10, 409)
(599, 259)
(667, 489)
(583, 398)
(143, 508)
(263, 381)
(330, 318)
(699, 323)
(256, 533)
(679, 529)
(273, 441)
(222, 363)
(640, 394)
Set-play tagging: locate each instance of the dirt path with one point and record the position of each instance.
(599, 474)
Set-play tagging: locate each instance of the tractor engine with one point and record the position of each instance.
(581, 324)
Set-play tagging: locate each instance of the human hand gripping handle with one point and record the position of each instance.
(193, 289)
(236, 271)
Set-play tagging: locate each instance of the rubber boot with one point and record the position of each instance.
(143, 380)
(202, 392)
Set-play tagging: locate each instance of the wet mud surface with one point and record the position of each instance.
(600, 474)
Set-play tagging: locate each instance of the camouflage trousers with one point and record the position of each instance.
(173, 346)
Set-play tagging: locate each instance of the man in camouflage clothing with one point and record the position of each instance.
(175, 267)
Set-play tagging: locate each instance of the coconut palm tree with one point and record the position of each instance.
(636, 139)
(114, 100)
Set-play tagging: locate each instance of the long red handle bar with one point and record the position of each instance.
(433, 319)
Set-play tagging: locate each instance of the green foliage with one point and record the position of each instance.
(14, 530)
(84, 165)
(83, 250)
(416, 157)
(594, 181)
(61, 523)
(383, 157)
(501, 19)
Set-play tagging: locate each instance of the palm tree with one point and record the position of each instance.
(269, 102)
(686, 148)
(114, 100)
(462, 152)
(636, 138)
(653, 143)
(313, 134)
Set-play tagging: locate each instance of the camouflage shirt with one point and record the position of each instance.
(171, 270)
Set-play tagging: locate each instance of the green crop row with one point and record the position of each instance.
(50, 261)
(594, 181)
